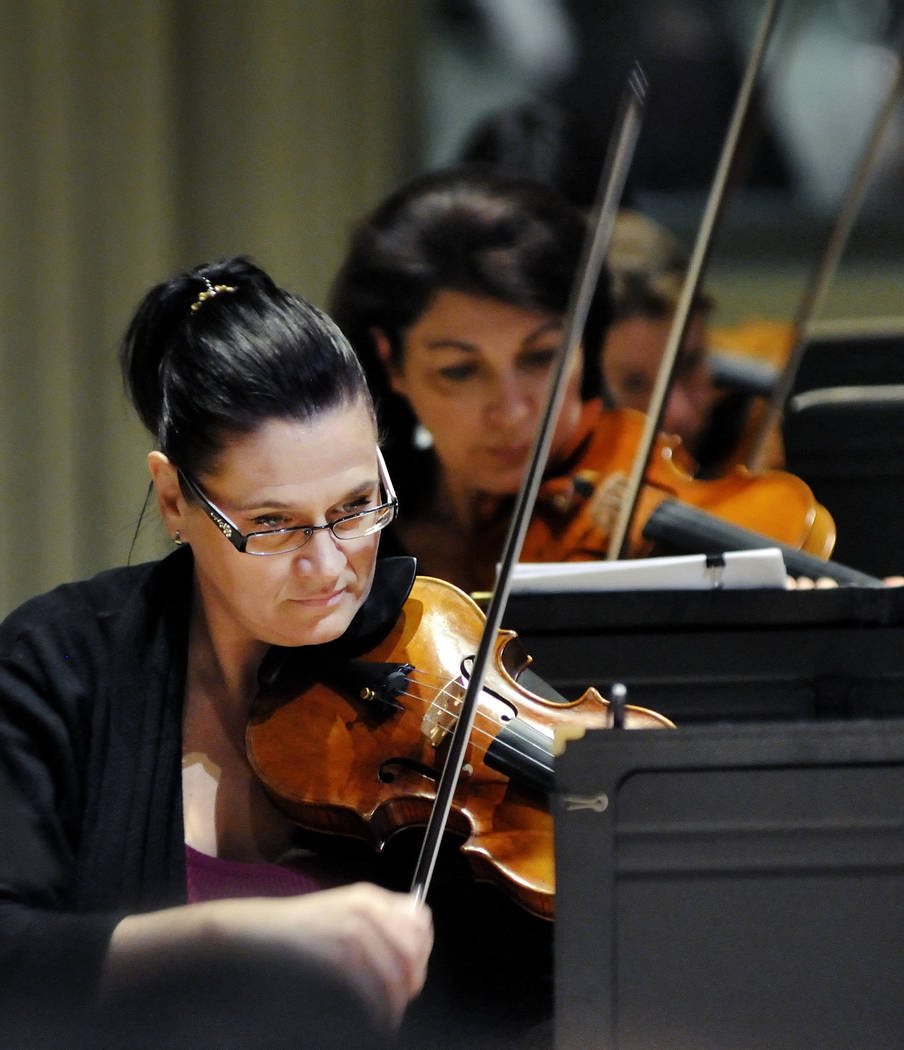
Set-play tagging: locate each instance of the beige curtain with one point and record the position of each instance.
(138, 139)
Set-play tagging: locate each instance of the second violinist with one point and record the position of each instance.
(721, 376)
(453, 294)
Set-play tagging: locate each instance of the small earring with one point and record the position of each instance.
(421, 438)
(177, 539)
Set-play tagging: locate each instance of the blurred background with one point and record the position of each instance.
(140, 139)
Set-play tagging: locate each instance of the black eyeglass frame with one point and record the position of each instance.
(240, 540)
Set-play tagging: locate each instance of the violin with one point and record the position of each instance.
(355, 747)
(746, 361)
(773, 503)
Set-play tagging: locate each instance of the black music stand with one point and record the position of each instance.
(731, 888)
(847, 443)
(705, 656)
(851, 358)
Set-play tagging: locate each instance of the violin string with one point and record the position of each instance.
(442, 689)
(489, 736)
(503, 747)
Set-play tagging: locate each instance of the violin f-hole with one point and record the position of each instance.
(391, 768)
(503, 717)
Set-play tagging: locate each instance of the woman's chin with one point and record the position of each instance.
(317, 630)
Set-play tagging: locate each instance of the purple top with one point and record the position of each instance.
(214, 878)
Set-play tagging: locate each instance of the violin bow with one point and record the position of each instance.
(714, 206)
(824, 270)
(611, 187)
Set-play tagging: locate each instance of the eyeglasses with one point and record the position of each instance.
(283, 541)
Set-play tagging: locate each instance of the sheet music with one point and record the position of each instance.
(733, 570)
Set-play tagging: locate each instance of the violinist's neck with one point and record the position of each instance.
(467, 506)
(453, 540)
(222, 660)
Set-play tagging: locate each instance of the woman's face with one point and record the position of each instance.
(476, 373)
(288, 473)
(630, 363)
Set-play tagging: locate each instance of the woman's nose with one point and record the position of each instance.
(322, 555)
(510, 403)
(684, 413)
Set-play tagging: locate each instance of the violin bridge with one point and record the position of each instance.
(442, 714)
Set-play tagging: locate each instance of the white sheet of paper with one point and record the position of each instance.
(741, 569)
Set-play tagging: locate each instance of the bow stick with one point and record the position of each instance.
(596, 244)
(815, 291)
(681, 320)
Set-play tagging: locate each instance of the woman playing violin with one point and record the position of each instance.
(648, 267)
(148, 879)
(453, 294)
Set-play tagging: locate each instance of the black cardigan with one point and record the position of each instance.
(92, 677)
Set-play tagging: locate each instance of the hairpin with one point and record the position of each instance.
(209, 292)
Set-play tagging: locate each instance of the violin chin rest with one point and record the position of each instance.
(393, 580)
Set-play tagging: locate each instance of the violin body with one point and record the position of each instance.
(347, 762)
(766, 346)
(774, 503)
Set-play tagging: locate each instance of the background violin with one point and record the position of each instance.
(358, 751)
(773, 503)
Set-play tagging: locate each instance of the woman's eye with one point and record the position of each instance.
(270, 521)
(689, 362)
(356, 505)
(636, 385)
(538, 360)
(458, 373)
